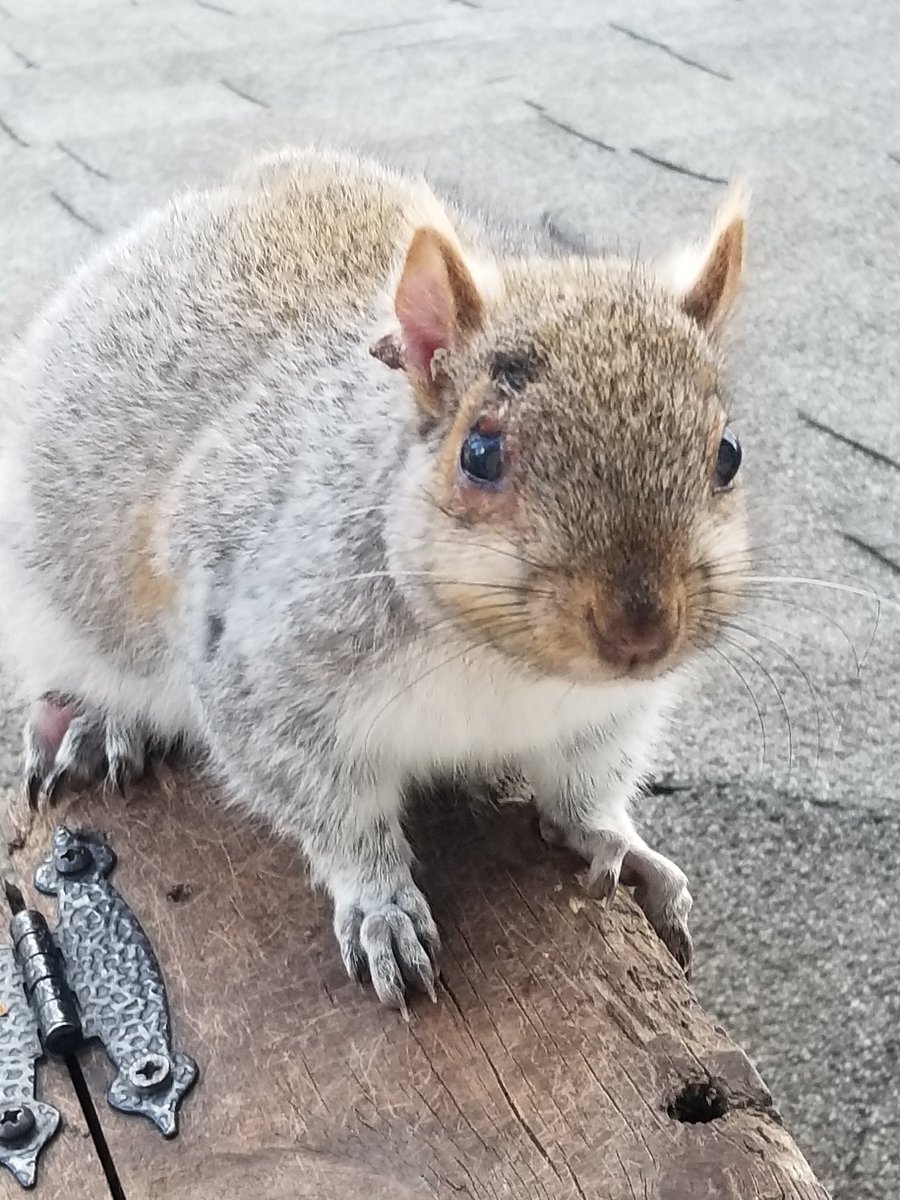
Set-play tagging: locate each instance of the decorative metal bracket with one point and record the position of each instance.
(116, 980)
(95, 976)
(26, 1123)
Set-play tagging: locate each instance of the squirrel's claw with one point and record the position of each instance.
(393, 944)
(53, 785)
(76, 757)
(33, 783)
(125, 749)
(66, 741)
(661, 890)
(609, 850)
(660, 887)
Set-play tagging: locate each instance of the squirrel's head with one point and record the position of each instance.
(573, 495)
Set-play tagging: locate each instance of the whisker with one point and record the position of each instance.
(511, 588)
(871, 641)
(498, 613)
(840, 728)
(810, 581)
(761, 667)
(809, 608)
(519, 558)
(713, 648)
(566, 694)
(509, 554)
(815, 694)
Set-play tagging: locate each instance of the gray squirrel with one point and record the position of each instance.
(318, 473)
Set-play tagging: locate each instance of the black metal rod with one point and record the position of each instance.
(14, 897)
(86, 1100)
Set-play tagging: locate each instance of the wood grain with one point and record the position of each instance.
(563, 1050)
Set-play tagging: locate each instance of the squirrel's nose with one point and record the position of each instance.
(632, 642)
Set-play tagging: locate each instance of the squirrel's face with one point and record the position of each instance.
(574, 499)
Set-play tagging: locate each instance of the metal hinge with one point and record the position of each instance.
(95, 975)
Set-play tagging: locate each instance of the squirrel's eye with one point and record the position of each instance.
(728, 462)
(481, 457)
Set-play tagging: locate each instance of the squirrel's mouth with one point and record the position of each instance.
(608, 632)
(640, 639)
(575, 633)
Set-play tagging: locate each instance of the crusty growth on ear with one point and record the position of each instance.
(389, 350)
(711, 290)
(436, 300)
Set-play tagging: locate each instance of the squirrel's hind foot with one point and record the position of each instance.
(389, 939)
(68, 742)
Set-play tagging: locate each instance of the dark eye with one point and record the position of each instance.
(728, 462)
(481, 457)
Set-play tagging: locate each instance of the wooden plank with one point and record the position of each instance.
(563, 1056)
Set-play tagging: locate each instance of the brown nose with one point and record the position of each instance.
(631, 644)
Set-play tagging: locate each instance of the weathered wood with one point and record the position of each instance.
(563, 1051)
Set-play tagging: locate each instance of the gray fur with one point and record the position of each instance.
(212, 526)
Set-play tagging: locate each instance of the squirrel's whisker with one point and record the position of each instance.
(712, 648)
(829, 584)
(800, 633)
(795, 633)
(511, 588)
(764, 670)
(814, 694)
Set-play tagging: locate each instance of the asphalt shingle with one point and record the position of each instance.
(611, 121)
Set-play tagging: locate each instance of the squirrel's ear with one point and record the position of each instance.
(437, 300)
(708, 281)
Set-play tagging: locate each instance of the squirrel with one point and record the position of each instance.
(330, 478)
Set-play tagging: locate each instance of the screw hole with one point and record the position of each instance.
(180, 893)
(17, 1125)
(72, 859)
(149, 1074)
(699, 1102)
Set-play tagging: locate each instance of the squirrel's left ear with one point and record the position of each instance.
(437, 302)
(708, 281)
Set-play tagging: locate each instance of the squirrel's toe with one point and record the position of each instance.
(391, 942)
(68, 741)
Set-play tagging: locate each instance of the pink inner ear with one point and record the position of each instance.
(423, 310)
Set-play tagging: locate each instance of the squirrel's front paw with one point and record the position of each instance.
(67, 740)
(388, 935)
(660, 887)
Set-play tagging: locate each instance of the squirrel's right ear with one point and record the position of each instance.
(708, 281)
(437, 302)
